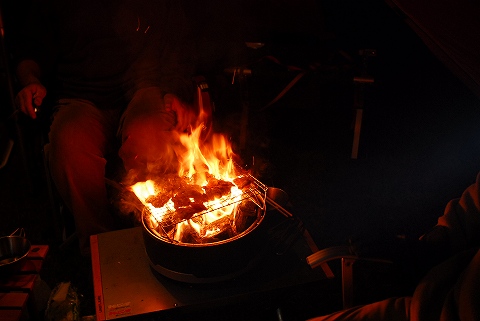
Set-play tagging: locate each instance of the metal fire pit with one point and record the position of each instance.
(212, 261)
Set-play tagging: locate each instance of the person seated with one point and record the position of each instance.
(119, 77)
(450, 290)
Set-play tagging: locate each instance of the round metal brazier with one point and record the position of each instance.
(205, 263)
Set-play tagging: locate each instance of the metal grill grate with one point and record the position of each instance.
(254, 192)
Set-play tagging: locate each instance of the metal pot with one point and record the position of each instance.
(13, 251)
(206, 263)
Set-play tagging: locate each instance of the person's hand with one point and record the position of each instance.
(186, 116)
(30, 98)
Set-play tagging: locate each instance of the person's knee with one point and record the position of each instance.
(79, 127)
(69, 142)
(73, 151)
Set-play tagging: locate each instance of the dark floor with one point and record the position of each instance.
(418, 148)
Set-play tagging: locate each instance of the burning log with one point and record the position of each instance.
(158, 200)
(218, 230)
(243, 181)
(246, 215)
(216, 189)
(188, 195)
(187, 212)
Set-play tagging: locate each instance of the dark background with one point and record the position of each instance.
(419, 141)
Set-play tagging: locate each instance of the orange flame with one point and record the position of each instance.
(196, 160)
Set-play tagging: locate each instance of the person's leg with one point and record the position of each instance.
(78, 140)
(392, 309)
(146, 131)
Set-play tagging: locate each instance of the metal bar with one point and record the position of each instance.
(356, 133)
(347, 282)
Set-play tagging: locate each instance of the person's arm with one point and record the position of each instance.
(32, 91)
(33, 55)
(459, 227)
(28, 72)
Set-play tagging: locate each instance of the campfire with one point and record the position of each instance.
(210, 199)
